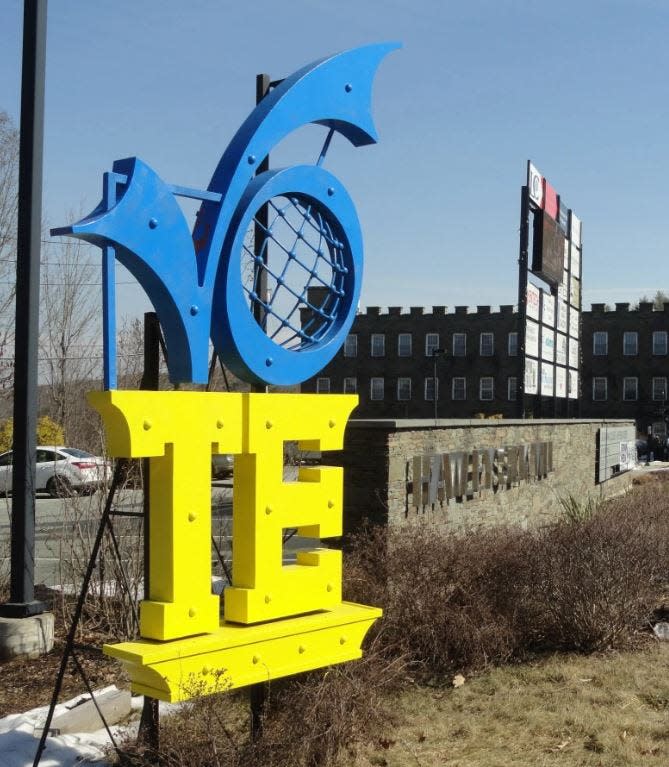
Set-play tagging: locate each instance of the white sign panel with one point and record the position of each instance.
(575, 292)
(573, 385)
(562, 317)
(532, 301)
(560, 382)
(546, 380)
(548, 310)
(575, 230)
(575, 261)
(532, 339)
(573, 353)
(547, 344)
(531, 377)
(535, 185)
(573, 324)
(560, 349)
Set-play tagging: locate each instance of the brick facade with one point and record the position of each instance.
(616, 398)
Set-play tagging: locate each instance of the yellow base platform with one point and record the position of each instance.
(238, 655)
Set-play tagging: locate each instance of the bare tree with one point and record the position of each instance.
(9, 166)
(70, 335)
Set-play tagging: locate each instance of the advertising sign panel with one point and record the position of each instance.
(575, 230)
(531, 377)
(563, 217)
(535, 185)
(550, 200)
(547, 344)
(547, 249)
(532, 339)
(575, 261)
(560, 382)
(547, 376)
(532, 301)
(560, 349)
(573, 324)
(548, 309)
(562, 317)
(575, 292)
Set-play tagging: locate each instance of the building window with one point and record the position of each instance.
(404, 345)
(430, 389)
(630, 343)
(350, 385)
(513, 344)
(378, 345)
(486, 387)
(660, 388)
(459, 344)
(404, 389)
(512, 388)
(431, 343)
(322, 385)
(459, 389)
(376, 389)
(487, 345)
(600, 343)
(599, 392)
(351, 345)
(660, 342)
(630, 388)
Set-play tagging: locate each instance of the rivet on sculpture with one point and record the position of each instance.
(278, 619)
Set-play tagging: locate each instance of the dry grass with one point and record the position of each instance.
(574, 711)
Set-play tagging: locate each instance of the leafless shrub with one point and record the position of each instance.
(466, 601)
(308, 720)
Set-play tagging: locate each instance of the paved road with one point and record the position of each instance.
(65, 530)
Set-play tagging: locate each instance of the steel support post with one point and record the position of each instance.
(522, 296)
(149, 726)
(22, 594)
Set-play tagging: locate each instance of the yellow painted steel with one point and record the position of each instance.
(238, 655)
(177, 431)
(279, 620)
(265, 505)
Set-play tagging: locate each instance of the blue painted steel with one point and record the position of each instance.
(194, 282)
(109, 184)
(250, 353)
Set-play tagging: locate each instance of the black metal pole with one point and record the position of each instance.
(522, 295)
(149, 725)
(263, 84)
(22, 590)
(258, 692)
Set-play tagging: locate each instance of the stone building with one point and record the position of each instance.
(390, 359)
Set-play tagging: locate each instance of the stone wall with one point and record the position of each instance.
(378, 455)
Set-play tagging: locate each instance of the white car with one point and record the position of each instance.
(60, 471)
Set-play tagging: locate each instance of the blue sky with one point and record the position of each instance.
(580, 88)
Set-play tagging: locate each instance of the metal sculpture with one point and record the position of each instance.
(278, 619)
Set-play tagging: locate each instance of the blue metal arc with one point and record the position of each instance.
(335, 91)
(194, 282)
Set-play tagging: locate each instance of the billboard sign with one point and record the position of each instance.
(547, 249)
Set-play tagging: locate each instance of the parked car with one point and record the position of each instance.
(222, 465)
(60, 471)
